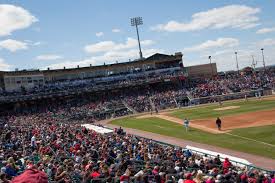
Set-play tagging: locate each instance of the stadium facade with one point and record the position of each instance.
(28, 79)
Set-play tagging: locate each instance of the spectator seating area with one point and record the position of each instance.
(47, 136)
(145, 98)
(67, 152)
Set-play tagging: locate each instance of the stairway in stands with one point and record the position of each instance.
(128, 107)
(189, 96)
(153, 106)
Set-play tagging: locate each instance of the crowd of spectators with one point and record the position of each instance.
(43, 148)
(93, 83)
(209, 88)
(168, 99)
(48, 142)
(198, 88)
(147, 98)
(231, 83)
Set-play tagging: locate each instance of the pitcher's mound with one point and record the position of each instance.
(226, 108)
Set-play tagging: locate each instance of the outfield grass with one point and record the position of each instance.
(164, 127)
(203, 112)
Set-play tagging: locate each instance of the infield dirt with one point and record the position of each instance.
(251, 119)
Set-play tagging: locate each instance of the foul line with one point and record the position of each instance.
(251, 139)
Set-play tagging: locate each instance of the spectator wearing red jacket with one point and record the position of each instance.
(226, 165)
(95, 173)
(188, 179)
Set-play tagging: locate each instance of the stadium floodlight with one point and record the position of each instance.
(263, 58)
(135, 22)
(237, 62)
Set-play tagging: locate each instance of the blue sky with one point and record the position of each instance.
(40, 34)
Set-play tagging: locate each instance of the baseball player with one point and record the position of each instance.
(219, 123)
(186, 124)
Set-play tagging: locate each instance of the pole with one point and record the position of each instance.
(263, 58)
(140, 53)
(253, 63)
(136, 21)
(236, 53)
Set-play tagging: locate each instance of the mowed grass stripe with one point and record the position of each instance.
(204, 112)
(164, 127)
(264, 133)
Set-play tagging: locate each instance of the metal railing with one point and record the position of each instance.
(249, 166)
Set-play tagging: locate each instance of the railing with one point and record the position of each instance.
(249, 166)
(152, 104)
(231, 96)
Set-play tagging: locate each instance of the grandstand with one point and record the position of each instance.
(28, 86)
(42, 113)
(156, 119)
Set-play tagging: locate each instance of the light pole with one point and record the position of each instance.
(253, 63)
(209, 57)
(236, 54)
(136, 22)
(263, 57)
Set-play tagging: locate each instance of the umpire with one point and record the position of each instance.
(219, 123)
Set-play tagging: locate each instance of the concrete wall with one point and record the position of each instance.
(205, 70)
(15, 83)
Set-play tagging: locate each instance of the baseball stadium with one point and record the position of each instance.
(131, 115)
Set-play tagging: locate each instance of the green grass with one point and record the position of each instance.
(264, 133)
(164, 127)
(208, 111)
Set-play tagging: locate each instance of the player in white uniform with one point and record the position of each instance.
(186, 124)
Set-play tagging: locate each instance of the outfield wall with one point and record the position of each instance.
(232, 96)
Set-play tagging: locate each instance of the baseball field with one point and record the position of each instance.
(247, 126)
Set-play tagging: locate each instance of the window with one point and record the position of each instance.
(7, 80)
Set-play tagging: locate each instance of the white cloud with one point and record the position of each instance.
(14, 18)
(49, 57)
(38, 43)
(147, 42)
(32, 43)
(219, 43)
(232, 16)
(3, 65)
(13, 45)
(99, 47)
(225, 57)
(227, 61)
(105, 46)
(99, 34)
(266, 30)
(266, 42)
(116, 30)
(108, 57)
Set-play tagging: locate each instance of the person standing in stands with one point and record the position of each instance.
(219, 123)
(245, 98)
(157, 111)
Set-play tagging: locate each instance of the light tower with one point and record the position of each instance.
(136, 22)
(254, 63)
(237, 62)
(263, 58)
